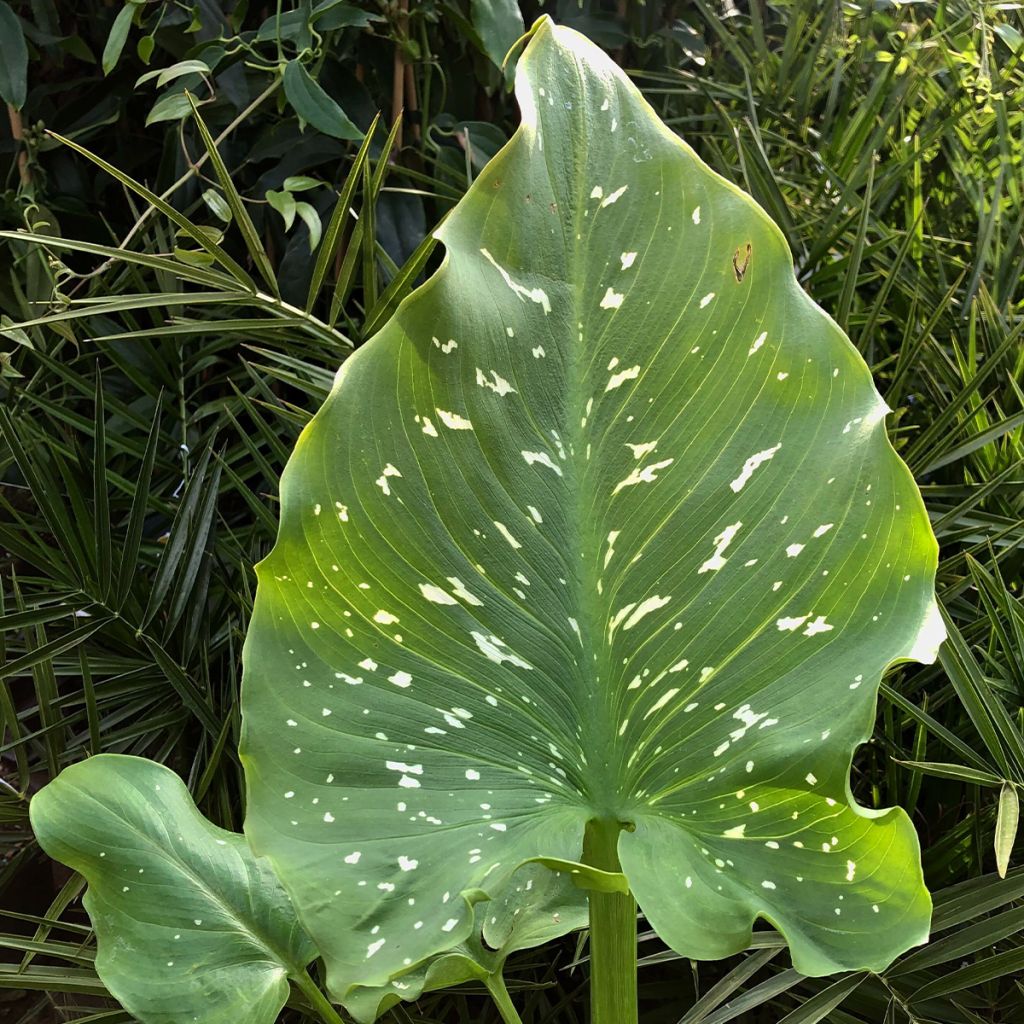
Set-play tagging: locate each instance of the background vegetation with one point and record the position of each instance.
(155, 368)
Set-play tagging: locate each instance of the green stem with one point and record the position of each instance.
(311, 990)
(496, 986)
(613, 998)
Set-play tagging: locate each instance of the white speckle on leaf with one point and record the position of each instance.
(612, 299)
(435, 594)
(618, 379)
(819, 625)
(751, 464)
(627, 259)
(640, 450)
(613, 197)
(543, 458)
(496, 383)
(507, 534)
(453, 421)
(612, 537)
(460, 591)
(537, 295)
(722, 541)
(382, 480)
(645, 607)
(791, 622)
(643, 475)
(497, 651)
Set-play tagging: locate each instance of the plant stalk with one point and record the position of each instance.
(320, 1003)
(496, 986)
(613, 988)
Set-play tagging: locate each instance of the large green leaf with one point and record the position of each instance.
(190, 925)
(603, 526)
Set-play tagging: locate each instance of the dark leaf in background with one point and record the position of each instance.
(13, 58)
(313, 105)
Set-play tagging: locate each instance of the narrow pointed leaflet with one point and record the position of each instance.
(602, 526)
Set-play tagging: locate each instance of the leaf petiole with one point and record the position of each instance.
(320, 1003)
(499, 993)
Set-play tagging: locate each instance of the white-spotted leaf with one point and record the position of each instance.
(535, 905)
(603, 525)
(190, 926)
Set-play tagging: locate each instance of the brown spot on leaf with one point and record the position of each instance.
(738, 268)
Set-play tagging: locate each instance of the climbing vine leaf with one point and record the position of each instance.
(603, 525)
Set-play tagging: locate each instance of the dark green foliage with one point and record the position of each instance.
(150, 396)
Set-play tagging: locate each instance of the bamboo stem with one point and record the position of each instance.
(398, 76)
(18, 134)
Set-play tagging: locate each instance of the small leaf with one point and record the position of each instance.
(193, 257)
(313, 105)
(165, 75)
(144, 48)
(13, 58)
(171, 106)
(117, 38)
(190, 925)
(1006, 826)
(300, 183)
(312, 221)
(7, 370)
(284, 203)
(217, 204)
